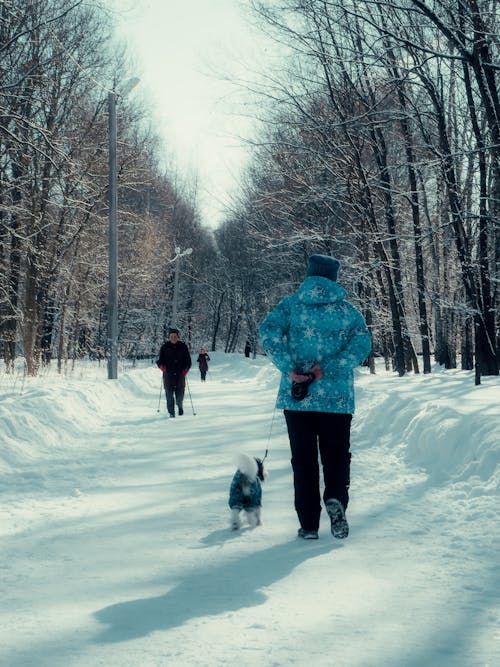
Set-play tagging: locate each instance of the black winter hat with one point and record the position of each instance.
(173, 330)
(323, 265)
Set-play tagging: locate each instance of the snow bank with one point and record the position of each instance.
(447, 427)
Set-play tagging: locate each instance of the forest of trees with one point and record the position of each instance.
(382, 148)
(379, 144)
(57, 68)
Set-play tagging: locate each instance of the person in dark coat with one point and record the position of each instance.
(174, 361)
(248, 349)
(202, 362)
(316, 339)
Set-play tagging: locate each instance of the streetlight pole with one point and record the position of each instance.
(113, 244)
(176, 259)
(113, 231)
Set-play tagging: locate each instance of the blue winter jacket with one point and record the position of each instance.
(316, 326)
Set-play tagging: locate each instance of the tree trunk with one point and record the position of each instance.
(417, 234)
(216, 322)
(467, 349)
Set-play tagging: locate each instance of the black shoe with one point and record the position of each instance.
(307, 534)
(181, 412)
(340, 527)
(171, 415)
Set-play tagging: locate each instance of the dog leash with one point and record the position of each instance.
(269, 437)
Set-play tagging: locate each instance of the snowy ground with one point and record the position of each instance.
(114, 542)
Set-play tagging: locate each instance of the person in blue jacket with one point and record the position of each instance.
(316, 339)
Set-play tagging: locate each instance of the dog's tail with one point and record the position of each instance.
(248, 466)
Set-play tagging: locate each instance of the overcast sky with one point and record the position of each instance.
(182, 48)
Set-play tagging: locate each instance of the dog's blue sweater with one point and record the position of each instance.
(241, 501)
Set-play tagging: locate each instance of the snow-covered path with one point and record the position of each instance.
(115, 549)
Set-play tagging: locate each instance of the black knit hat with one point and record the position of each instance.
(173, 330)
(323, 265)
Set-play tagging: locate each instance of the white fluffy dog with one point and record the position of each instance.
(245, 494)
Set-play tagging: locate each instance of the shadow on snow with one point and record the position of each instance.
(223, 588)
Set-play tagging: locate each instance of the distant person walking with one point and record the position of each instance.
(174, 361)
(202, 362)
(248, 349)
(316, 339)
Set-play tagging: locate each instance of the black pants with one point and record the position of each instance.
(330, 433)
(174, 390)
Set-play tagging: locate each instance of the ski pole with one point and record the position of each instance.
(189, 392)
(161, 389)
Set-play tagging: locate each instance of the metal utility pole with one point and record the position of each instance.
(113, 231)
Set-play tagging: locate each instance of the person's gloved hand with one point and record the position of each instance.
(317, 372)
(162, 368)
(301, 377)
(184, 372)
(300, 384)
